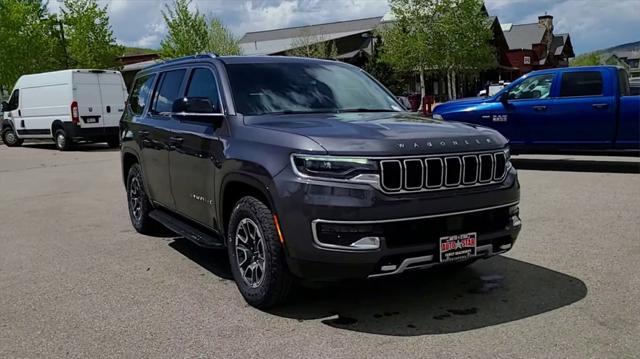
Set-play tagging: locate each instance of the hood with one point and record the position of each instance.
(462, 103)
(384, 134)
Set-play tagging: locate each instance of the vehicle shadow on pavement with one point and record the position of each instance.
(90, 147)
(568, 165)
(215, 261)
(490, 292)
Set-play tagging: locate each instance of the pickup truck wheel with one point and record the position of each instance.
(256, 255)
(62, 141)
(10, 138)
(139, 204)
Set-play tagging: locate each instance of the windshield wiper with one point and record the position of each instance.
(368, 110)
(292, 112)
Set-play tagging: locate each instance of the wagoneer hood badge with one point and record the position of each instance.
(373, 134)
(444, 143)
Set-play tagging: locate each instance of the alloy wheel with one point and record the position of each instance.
(135, 199)
(60, 140)
(250, 252)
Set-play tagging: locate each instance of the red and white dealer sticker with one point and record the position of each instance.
(457, 247)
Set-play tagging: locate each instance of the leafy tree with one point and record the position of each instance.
(220, 40)
(27, 41)
(90, 42)
(316, 46)
(187, 31)
(590, 59)
(393, 79)
(444, 37)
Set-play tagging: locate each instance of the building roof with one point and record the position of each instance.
(280, 40)
(139, 65)
(629, 55)
(523, 36)
(361, 25)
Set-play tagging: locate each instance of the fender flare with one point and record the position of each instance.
(249, 180)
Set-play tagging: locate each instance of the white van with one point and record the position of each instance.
(67, 106)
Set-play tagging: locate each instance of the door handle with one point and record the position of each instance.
(540, 107)
(108, 109)
(176, 139)
(600, 106)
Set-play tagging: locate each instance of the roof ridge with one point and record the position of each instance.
(324, 23)
(529, 23)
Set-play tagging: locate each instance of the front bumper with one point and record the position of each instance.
(407, 225)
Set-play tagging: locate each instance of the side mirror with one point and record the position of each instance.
(5, 106)
(504, 98)
(194, 106)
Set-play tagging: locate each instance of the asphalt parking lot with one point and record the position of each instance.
(77, 281)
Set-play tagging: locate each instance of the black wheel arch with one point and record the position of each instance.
(56, 125)
(6, 124)
(129, 158)
(233, 187)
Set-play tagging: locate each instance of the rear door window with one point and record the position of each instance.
(583, 83)
(168, 91)
(140, 94)
(623, 83)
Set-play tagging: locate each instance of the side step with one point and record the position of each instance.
(186, 230)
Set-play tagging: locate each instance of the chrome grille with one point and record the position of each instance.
(442, 172)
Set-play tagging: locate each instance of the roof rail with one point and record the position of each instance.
(184, 58)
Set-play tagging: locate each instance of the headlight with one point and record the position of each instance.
(437, 116)
(332, 166)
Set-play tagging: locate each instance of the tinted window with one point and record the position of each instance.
(532, 87)
(14, 101)
(168, 91)
(305, 87)
(203, 84)
(623, 83)
(587, 83)
(140, 94)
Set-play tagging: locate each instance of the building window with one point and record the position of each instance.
(527, 60)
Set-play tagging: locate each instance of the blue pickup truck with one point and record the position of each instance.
(571, 108)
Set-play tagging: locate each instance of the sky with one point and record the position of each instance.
(592, 24)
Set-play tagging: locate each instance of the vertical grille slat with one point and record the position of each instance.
(391, 175)
(442, 172)
(413, 174)
(435, 173)
(470, 165)
(486, 168)
(500, 166)
(453, 171)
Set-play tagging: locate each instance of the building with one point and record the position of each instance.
(535, 46)
(520, 48)
(353, 39)
(630, 60)
(131, 64)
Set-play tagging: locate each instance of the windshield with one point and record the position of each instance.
(305, 87)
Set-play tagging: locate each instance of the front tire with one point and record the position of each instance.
(10, 138)
(139, 204)
(256, 255)
(62, 141)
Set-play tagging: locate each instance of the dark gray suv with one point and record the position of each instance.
(309, 170)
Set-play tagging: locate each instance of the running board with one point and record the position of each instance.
(186, 230)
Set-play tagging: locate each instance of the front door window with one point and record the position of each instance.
(534, 87)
